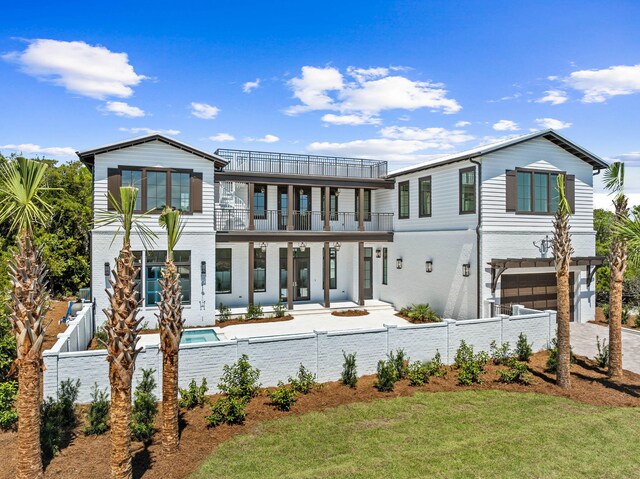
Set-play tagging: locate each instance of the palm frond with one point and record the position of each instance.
(613, 177)
(628, 230)
(171, 220)
(563, 204)
(124, 217)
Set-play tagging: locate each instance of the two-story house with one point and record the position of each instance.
(468, 233)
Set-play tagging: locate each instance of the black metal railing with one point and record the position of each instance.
(238, 219)
(293, 164)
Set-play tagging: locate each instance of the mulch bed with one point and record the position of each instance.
(231, 322)
(602, 321)
(350, 312)
(414, 321)
(89, 456)
(57, 311)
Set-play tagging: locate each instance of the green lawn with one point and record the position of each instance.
(485, 434)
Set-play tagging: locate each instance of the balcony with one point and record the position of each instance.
(238, 219)
(309, 165)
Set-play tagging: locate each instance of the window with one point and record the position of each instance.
(134, 178)
(260, 202)
(468, 190)
(180, 191)
(537, 191)
(424, 196)
(333, 203)
(223, 270)
(333, 283)
(259, 270)
(137, 263)
(367, 205)
(156, 190)
(403, 200)
(155, 264)
(385, 265)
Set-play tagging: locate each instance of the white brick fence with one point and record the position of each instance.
(278, 357)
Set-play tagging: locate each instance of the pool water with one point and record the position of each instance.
(191, 336)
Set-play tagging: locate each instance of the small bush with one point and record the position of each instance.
(436, 366)
(349, 375)
(418, 373)
(602, 358)
(637, 323)
(194, 395)
(227, 410)
(524, 349)
(284, 397)
(421, 313)
(254, 311)
(240, 380)
(101, 337)
(387, 376)
(625, 314)
(400, 361)
(500, 354)
(606, 309)
(304, 382)
(517, 372)
(98, 413)
(57, 417)
(279, 309)
(145, 407)
(552, 360)
(463, 354)
(470, 365)
(224, 313)
(8, 395)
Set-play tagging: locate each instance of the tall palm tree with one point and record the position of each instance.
(21, 184)
(614, 182)
(562, 251)
(171, 327)
(123, 325)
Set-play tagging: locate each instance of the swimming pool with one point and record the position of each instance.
(191, 336)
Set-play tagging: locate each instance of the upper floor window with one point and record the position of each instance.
(424, 196)
(259, 201)
(537, 191)
(468, 190)
(366, 206)
(333, 202)
(133, 178)
(403, 200)
(180, 191)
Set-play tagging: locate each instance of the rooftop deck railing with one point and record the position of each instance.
(293, 164)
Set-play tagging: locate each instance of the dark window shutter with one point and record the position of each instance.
(512, 190)
(113, 176)
(196, 192)
(571, 192)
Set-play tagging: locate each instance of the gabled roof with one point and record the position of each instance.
(596, 162)
(88, 156)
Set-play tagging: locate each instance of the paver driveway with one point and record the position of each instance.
(583, 340)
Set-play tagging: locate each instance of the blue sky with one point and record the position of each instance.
(401, 81)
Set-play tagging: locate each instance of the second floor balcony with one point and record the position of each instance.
(239, 219)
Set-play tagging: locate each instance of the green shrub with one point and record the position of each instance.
(606, 309)
(145, 407)
(349, 375)
(436, 366)
(57, 418)
(637, 324)
(98, 413)
(304, 382)
(284, 397)
(224, 313)
(552, 360)
(602, 358)
(400, 361)
(279, 309)
(194, 395)
(418, 373)
(8, 414)
(227, 410)
(463, 354)
(254, 311)
(240, 380)
(517, 372)
(500, 354)
(470, 365)
(625, 314)
(387, 376)
(101, 337)
(524, 349)
(421, 313)
(7, 348)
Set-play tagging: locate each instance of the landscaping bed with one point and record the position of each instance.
(601, 320)
(589, 385)
(350, 312)
(231, 322)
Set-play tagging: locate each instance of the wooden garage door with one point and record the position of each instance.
(537, 291)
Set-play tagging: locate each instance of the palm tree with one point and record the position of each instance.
(562, 251)
(614, 182)
(21, 184)
(171, 327)
(123, 326)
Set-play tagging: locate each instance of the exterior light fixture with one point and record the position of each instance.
(107, 269)
(378, 253)
(203, 267)
(399, 263)
(337, 245)
(428, 266)
(303, 247)
(263, 247)
(466, 269)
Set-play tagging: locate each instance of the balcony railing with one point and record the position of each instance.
(276, 220)
(292, 164)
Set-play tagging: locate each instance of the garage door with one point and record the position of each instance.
(537, 291)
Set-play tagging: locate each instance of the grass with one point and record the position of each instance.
(446, 435)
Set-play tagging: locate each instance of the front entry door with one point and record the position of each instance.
(301, 278)
(368, 273)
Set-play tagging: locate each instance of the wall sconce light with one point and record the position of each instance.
(263, 247)
(399, 263)
(378, 253)
(337, 245)
(428, 266)
(338, 192)
(466, 269)
(262, 189)
(107, 269)
(303, 247)
(203, 267)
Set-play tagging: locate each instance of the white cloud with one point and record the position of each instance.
(354, 119)
(222, 137)
(368, 92)
(87, 70)
(204, 111)
(122, 108)
(249, 86)
(599, 85)
(555, 97)
(30, 148)
(149, 131)
(506, 125)
(264, 139)
(552, 123)
(630, 159)
(439, 138)
(462, 124)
